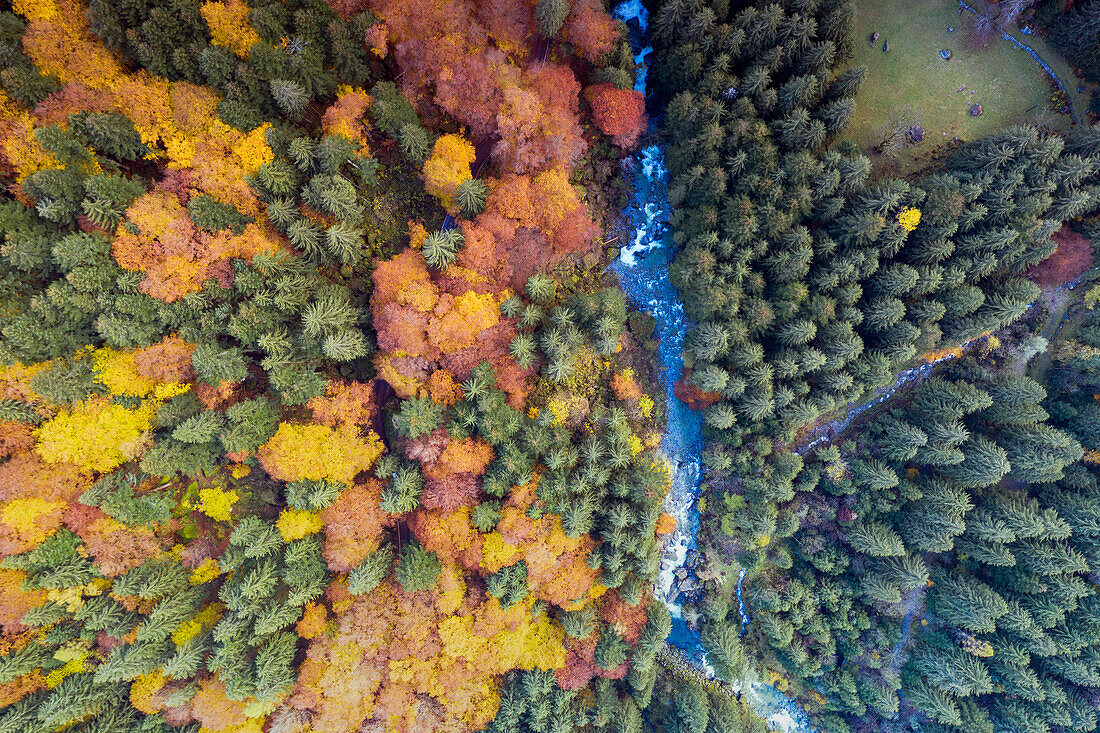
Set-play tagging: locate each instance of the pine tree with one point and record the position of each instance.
(485, 516)
(690, 708)
(280, 178)
(215, 365)
(415, 142)
(721, 416)
(441, 248)
(523, 349)
(900, 441)
(1039, 452)
(724, 650)
(929, 699)
(110, 133)
(417, 569)
(402, 494)
(470, 195)
(953, 670)
(968, 603)
(201, 428)
(251, 423)
(311, 495)
(876, 589)
(984, 464)
(611, 650)
(291, 97)
(875, 539)
(835, 115)
(550, 15)
(1016, 400)
(509, 584)
(306, 236)
(418, 416)
(344, 242)
(579, 624)
(372, 571)
(333, 152)
(329, 312)
(541, 288)
(345, 345)
(212, 215)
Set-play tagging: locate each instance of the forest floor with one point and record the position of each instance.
(1057, 325)
(912, 80)
(914, 613)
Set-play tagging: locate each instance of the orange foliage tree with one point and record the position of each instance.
(353, 525)
(591, 30)
(346, 116)
(175, 255)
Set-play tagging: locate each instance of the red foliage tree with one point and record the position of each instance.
(118, 548)
(590, 29)
(618, 113)
(448, 491)
(580, 663)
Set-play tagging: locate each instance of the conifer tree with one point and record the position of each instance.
(550, 15)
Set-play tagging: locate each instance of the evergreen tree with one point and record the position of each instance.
(291, 97)
(371, 572)
(470, 197)
(550, 15)
(967, 603)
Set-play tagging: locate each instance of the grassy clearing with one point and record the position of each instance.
(1008, 84)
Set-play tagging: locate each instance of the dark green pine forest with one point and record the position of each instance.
(935, 566)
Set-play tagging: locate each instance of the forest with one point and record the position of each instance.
(318, 411)
(933, 567)
(322, 408)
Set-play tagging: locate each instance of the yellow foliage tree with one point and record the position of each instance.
(96, 435)
(318, 452)
(447, 167)
(118, 372)
(294, 524)
(457, 328)
(909, 218)
(217, 503)
(31, 520)
(229, 26)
